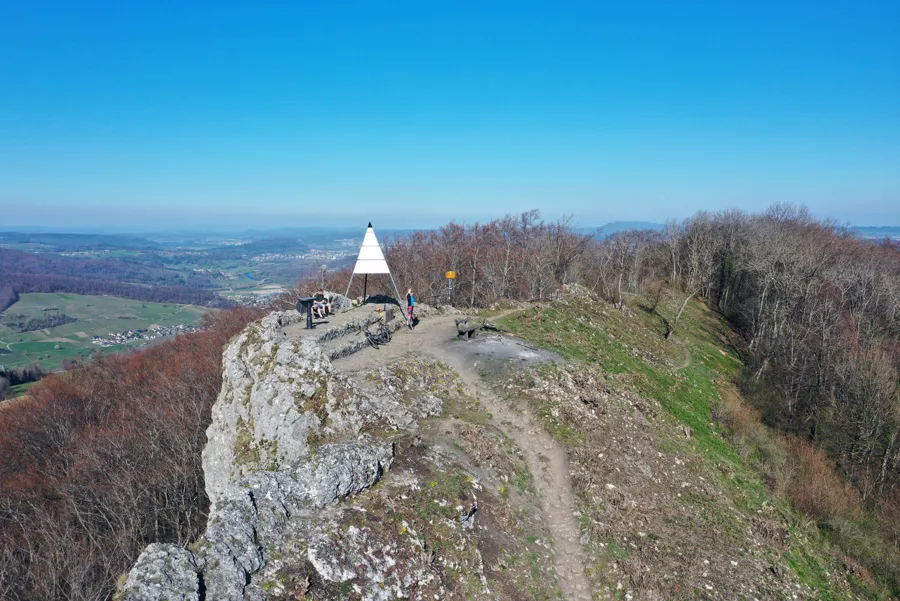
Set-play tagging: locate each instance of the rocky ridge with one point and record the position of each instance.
(413, 481)
(289, 439)
(328, 485)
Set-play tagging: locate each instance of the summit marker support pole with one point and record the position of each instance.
(451, 275)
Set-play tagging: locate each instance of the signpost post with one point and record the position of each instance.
(451, 275)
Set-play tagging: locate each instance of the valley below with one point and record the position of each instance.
(100, 324)
(65, 297)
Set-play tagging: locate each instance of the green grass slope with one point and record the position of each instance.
(674, 502)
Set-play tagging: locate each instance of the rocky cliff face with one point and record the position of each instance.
(290, 439)
(280, 399)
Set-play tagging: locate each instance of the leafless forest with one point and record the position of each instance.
(102, 459)
(818, 309)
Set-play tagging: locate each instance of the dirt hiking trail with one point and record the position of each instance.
(546, 458)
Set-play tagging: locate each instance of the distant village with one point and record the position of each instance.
(314, 254)
(147, 335)
(260, 301)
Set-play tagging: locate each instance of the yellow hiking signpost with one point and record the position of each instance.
(451, 275)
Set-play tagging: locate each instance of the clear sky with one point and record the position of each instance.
(411, 113)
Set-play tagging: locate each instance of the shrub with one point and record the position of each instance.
(815, 486)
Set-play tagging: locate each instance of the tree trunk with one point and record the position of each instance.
(670, 331)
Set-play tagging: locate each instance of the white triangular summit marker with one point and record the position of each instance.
(371, 259)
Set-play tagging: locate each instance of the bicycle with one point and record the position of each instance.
(381, 336)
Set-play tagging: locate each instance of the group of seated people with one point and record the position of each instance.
(320, 307)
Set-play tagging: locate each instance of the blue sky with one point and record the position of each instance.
(313, 113)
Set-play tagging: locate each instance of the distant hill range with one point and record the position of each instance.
(22, 272)
(75, 242)
(16, 262)
(624, 226)
(615, 227)
(863, 231)
(274, 246)
(875, 232)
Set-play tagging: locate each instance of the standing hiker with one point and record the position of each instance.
(410, 305)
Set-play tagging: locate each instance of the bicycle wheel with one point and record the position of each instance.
(373, 340)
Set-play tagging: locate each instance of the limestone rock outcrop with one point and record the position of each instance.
(280, 398)
(162, 573)
(290, 438)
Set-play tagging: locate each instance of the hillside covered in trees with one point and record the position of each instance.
(22, 272)
(817, 308)
(104, 458)
(70, 242)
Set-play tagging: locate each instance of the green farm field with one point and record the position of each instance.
(96, 315)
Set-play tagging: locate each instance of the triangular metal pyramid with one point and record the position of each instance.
(371, 259)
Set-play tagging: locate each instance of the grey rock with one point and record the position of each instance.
(424, 309)
(338, 470)
(252, 514)
(162, 572)
(272, 398)
(467, 515)
(339, 302)
(230, 551)
(428, 405)
(380, 572)
(287, 443)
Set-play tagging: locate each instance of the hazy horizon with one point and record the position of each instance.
(237, 229)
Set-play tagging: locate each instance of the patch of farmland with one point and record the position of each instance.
(96, 316)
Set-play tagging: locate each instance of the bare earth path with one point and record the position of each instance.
(546, 458)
